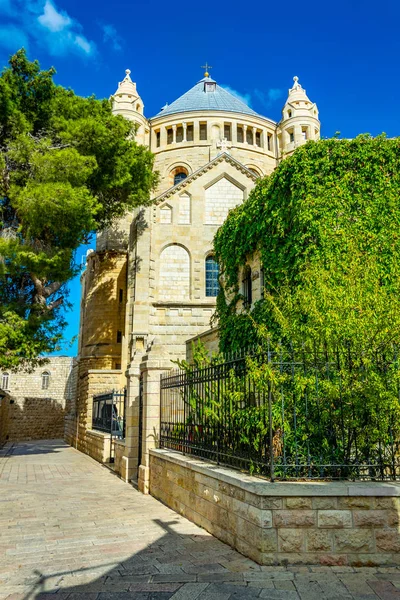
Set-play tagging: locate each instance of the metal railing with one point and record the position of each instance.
(109, 413)
(285, 417)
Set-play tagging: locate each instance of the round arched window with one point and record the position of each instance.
(179, 177)
(45, 380)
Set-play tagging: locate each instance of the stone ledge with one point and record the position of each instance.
(259, 487)
(96, 433)
(119, 442)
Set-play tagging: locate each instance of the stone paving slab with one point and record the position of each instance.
(71, 530)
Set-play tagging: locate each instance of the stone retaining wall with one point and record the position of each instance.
(98, 445)
(330, 523)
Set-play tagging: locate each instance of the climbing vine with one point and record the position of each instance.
(326, 226)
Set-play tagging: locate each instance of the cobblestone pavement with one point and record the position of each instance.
(69, 528)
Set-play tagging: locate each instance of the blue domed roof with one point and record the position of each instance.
(201, 98)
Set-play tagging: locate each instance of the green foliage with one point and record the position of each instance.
(68, 167)
(326, 227)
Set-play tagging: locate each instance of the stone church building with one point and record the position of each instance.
(151, 283)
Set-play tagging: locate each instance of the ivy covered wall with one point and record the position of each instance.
(326, 226)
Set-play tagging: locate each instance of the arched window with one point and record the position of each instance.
(178, 174)
(45, 380)
(212, 272)
(178, 177)
(247, 287)
(5, 380)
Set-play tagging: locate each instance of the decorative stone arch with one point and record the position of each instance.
(177, 168)
(165, 213)
(255, 170)
(174, 273)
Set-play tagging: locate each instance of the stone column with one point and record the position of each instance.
(254, 136)
(174, 134)
(234, 132)
(163, 136)
(184, 125)
(244, 134)
(130, 459)
(153, 364)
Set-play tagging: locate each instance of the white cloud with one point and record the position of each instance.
(268, 98)
(84, 44)
(110, 36)
(53, 20)
(246, 98)
(44, 24)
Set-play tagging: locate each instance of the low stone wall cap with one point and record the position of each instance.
(262, 487)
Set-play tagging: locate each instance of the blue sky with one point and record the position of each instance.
(346, 54)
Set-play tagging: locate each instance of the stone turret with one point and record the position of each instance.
(127, 102)
(300, 121)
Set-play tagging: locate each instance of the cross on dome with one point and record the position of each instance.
(206, 67)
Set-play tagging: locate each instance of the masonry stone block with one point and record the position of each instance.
(354, 540)
(334, 519)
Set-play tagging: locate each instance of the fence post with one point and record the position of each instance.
(271, 436)
(153, 364)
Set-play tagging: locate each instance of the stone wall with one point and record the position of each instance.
(4, 418)
(220, 197)
(209, 339)
(78, 431)
(37, 405)
(330, 523)
(99, 444)
(119, 462)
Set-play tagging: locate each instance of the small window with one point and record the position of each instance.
(170, 135)
(239, 134)
(119, 337)
(304, 133)
(178, 177)
(5, 381)
(158, 139)
(289, 114)
(179, 133)
(258, 139)
(228, 132)
(269, 142)
(247, 289)
(189, 133)
(291, 136)
(121, 295)
(249, 136)
(45, 380)
(212, 273)
(203, 131)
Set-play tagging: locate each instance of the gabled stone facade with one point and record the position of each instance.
(151, 284)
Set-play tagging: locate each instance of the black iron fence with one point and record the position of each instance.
(109, 413)
(284, 417)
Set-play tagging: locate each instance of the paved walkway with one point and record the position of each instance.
(69, 528)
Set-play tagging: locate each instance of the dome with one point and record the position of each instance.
(207, 95)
